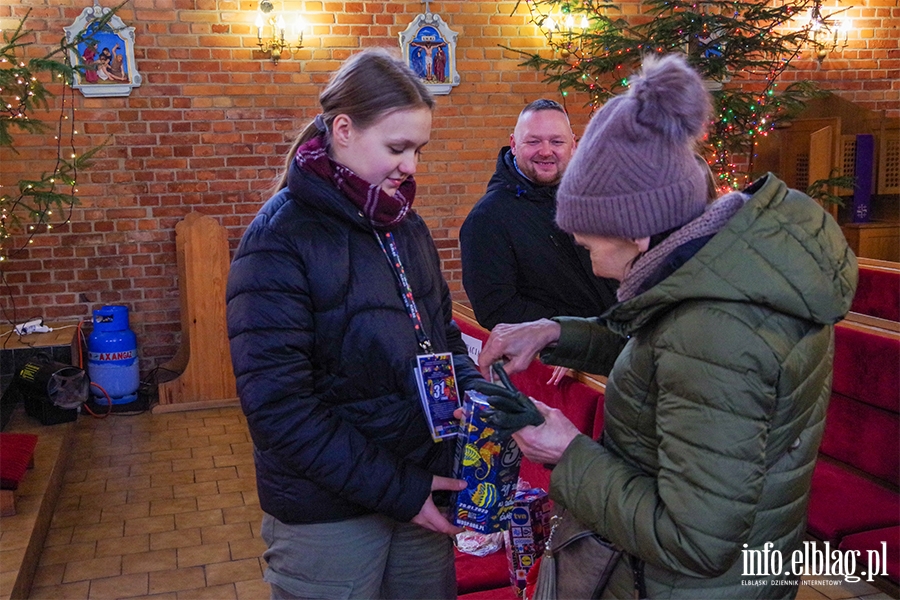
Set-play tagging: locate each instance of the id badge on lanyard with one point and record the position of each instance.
(436, 380)
(434, 373)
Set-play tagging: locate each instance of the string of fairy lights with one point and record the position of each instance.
(742, 47)
(29, 208)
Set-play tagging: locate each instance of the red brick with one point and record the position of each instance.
(209, 128)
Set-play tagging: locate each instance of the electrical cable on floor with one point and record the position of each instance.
(81, 343)
(149, 387)
(12, 302)
(109, 404)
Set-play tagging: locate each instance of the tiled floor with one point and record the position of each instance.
(158, 505)
(165, 506)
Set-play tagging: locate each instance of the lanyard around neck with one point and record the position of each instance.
(393, 256)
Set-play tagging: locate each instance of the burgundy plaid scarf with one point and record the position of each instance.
(383, 211)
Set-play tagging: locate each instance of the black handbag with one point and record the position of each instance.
(576, 564)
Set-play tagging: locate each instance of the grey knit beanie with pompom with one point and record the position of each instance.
(635, 172)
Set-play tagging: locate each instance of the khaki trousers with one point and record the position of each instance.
(370, 557)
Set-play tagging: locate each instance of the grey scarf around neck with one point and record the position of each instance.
(710, 222)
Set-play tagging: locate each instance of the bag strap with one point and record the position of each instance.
(637, 573)
(567, 530)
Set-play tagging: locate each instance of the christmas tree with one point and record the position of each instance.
(740, 47)
(28, 207)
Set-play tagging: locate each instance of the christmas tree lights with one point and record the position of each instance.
(29, 207)
(740, 47)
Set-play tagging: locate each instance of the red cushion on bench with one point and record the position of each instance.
(16, 450)
(472, 330)
(865, 366)
(476, 573)
(576, 400)
(536, 475)
(863, 436)
(878, 293)
(842, 503)
(871, 540)
(504, 593)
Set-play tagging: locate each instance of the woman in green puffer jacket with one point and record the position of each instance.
(715, 408)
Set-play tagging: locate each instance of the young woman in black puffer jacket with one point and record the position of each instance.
(323, 342)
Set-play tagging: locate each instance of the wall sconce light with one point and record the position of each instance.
(825, 33)
(271, 33)
(569, 25)
(566, 24)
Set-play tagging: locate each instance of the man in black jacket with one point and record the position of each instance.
(517, 264)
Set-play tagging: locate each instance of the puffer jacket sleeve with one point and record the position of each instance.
(271, 329)
(585, 344)
(716, 398)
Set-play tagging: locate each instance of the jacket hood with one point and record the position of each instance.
(506, 177)
(781, 250)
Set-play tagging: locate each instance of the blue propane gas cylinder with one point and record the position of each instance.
(112, 356)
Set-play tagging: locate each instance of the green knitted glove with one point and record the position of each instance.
(511, 410)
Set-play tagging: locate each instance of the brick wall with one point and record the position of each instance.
(867, 71)
(208, 130)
